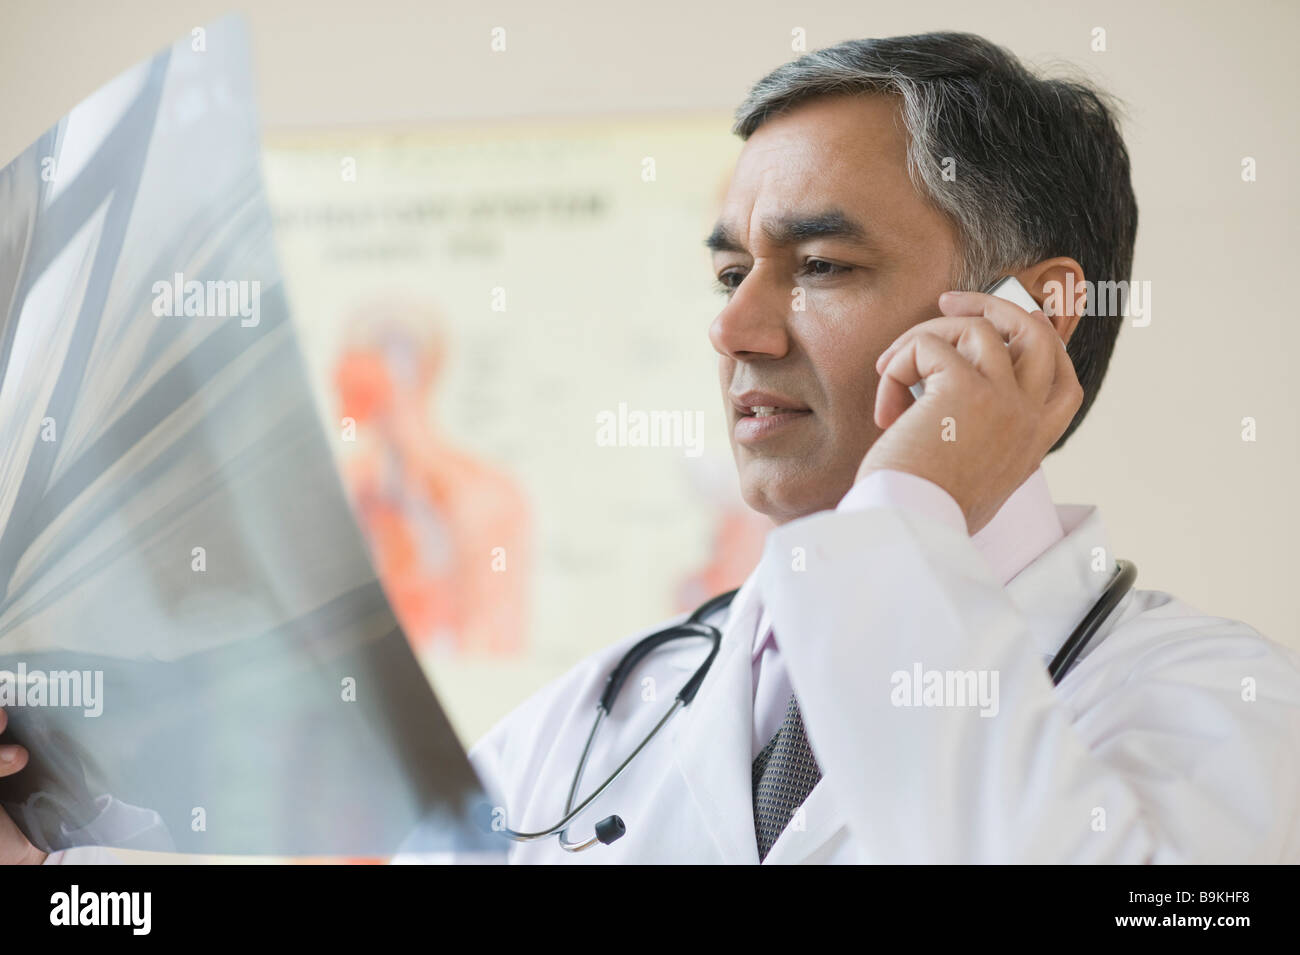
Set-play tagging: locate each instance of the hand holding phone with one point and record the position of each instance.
(1002, 390)
(1007, 287)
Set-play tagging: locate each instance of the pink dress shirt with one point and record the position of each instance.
(1025, 527)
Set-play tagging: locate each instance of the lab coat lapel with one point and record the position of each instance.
(712, 740)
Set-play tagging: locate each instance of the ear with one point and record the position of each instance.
(1057, 285)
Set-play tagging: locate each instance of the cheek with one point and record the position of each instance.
(843, 340)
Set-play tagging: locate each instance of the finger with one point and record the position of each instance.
(951, 327)
(1030, 335)
(923, 356)
(12, 759)
(973, 337)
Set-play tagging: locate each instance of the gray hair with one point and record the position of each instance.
(1041, 169)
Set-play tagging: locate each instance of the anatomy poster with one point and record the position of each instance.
(508, 330)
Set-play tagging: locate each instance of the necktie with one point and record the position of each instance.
(785, 772)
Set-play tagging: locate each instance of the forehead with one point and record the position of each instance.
(845, 153)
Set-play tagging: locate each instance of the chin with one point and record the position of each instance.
(785, 493)
(785, 500)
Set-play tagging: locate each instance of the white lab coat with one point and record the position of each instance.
(1175, 739)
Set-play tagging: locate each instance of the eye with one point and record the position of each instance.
(811, 267)
(724, 284)
(730, 279)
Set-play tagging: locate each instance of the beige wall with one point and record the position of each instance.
(1200, 511)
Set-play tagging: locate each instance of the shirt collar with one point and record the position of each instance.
(1024, 527)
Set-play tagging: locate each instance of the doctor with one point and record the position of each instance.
(919, 538)
(917, 548)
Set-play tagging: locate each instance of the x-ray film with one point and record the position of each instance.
(193, 644)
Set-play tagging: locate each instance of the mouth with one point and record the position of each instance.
(762, 415)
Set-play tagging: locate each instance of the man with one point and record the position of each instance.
(919, 537)
(921, 533)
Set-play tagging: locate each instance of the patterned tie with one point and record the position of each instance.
(785, 772)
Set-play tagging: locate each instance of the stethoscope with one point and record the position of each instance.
(611, 828)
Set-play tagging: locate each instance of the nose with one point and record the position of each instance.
(753, 324)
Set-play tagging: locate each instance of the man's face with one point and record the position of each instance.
(830, 253)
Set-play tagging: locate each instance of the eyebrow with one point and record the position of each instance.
(791, 230)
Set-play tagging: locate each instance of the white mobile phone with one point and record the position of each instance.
(1008, 288)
